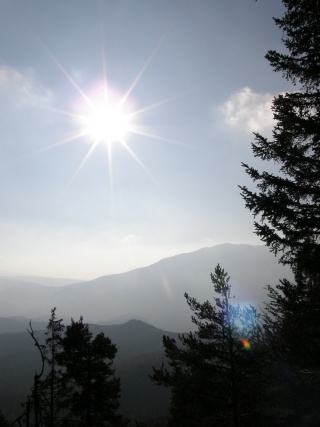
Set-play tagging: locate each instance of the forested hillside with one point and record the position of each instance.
(139, 348)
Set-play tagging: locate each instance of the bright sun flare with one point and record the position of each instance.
(102, 115)
(103, 118)
(107, 124)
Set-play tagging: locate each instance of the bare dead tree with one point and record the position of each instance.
(37, 377)
(26, 414)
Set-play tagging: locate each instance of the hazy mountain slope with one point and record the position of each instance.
(133, 338)
(18, 324)
(156, 293)
(153, 293)
(48, 281)
(22, 298)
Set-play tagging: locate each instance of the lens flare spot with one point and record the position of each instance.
(246, 344)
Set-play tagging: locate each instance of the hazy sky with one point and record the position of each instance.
(180, 84)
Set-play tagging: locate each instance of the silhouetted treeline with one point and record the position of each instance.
(78, 388)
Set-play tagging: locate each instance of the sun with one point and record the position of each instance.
(101, 114)
(103, 117)
(107, 123)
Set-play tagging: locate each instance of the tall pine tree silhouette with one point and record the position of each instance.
(91, 389)
(288, 202)
(212, 372)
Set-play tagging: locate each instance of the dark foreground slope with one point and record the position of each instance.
(139, 348)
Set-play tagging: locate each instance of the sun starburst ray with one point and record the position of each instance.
(151, 135)
(151, 107)
(73, 137)
(110, 175)
(65, 72)
(142, 166)
(144, 68)
(82, 163)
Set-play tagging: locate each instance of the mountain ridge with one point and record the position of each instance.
(154, 293)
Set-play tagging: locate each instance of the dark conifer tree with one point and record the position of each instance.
(92, 392)
(292, 337)
(288, 202)
(79, 388)
(212, 372)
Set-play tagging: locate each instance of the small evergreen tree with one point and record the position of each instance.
(211, 374)
(80, 388)
(91, 390)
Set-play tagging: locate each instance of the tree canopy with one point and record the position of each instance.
(288, 202)
(76, 385)
(287, 206)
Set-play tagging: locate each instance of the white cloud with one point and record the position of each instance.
(20, 89)
(248, 110)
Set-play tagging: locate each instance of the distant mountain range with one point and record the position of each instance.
(154, 294)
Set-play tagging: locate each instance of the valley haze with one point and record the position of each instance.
(153, 294)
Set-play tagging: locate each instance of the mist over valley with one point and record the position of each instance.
(153, 294)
